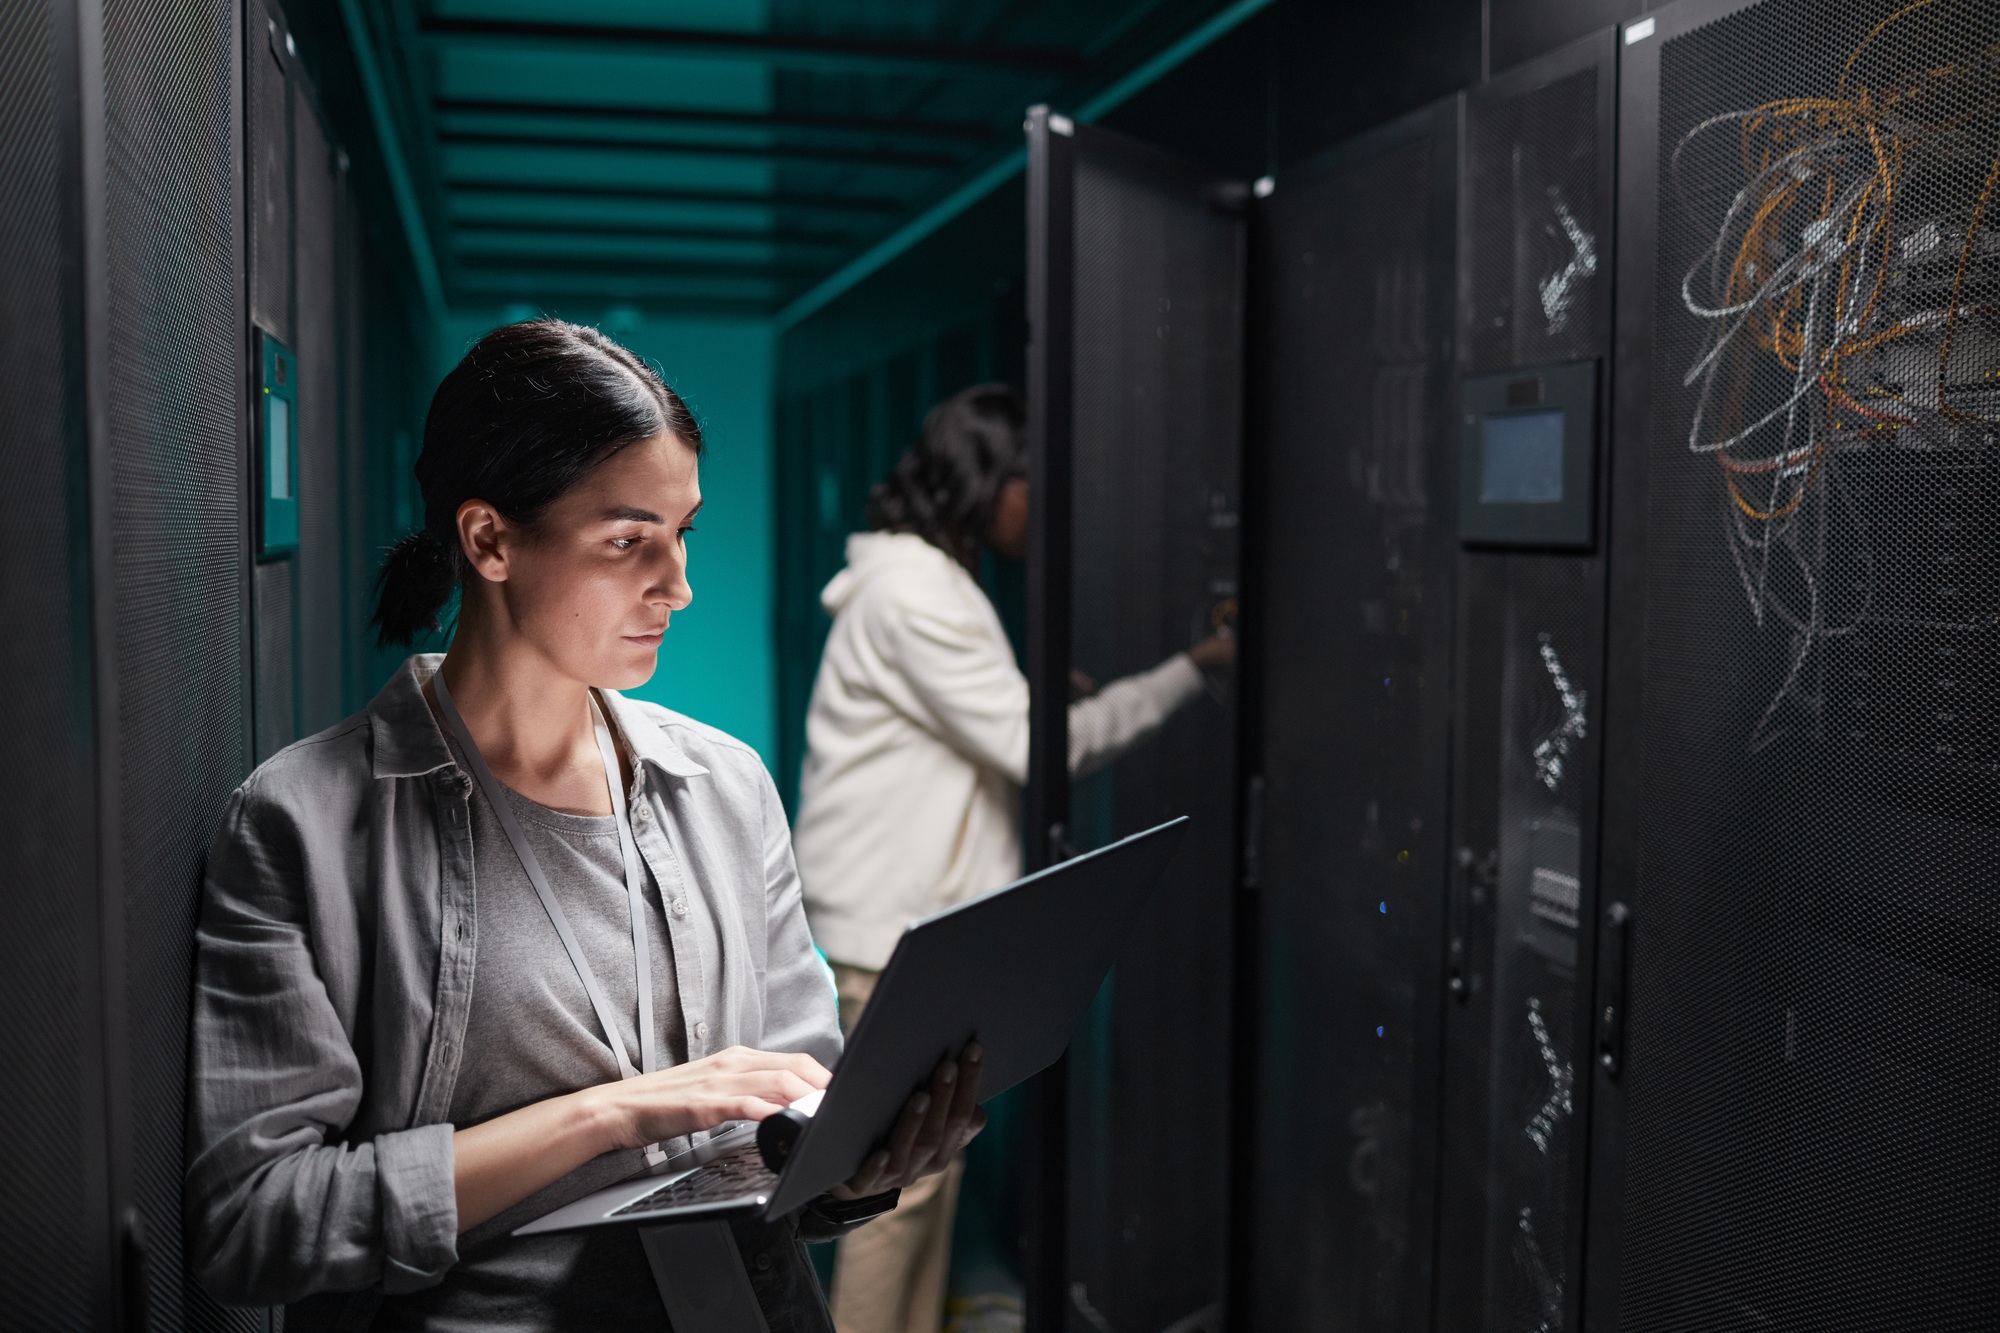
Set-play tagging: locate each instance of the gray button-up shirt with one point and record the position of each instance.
(334, 963)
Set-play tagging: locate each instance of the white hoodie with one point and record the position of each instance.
(917, 745)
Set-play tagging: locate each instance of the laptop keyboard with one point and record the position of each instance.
(737, 1174)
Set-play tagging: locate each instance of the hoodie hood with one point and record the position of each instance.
(868, 554)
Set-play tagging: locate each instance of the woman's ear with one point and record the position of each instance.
(483, 534)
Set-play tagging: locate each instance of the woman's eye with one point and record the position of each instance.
(625, 543)
(686, 530)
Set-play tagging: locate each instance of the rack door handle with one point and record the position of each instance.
(134, 1260)
(1472, 876)
(1611, 1020)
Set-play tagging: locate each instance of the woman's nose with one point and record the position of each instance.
(672, 585)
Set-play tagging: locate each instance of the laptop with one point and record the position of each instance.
(1015, 968)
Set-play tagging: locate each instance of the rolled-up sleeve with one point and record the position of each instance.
(279, 1204)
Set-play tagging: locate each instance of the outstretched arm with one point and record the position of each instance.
(1104, 727)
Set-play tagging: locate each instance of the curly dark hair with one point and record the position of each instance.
(948, 484)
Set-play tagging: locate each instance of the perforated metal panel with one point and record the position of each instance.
(52, 1232)
(276, 700)
(1353, 520)
(274, 297)
(1544, 641)
(1534, 285)
(1532, 179)
(268, 157)
(324, 634)
(1812, 1119)
(1156, 477)
(174, 390)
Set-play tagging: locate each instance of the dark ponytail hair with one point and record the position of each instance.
(526, 415)
(947, 486)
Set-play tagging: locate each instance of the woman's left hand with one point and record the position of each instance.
(936, 1123)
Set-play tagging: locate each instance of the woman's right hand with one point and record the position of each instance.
(1216, 652)
(499, 1162)
(736, 1084)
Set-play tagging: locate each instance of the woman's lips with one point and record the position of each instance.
(651, 640)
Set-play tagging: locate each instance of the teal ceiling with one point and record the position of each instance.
(719, 154)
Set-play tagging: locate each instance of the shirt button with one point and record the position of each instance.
(701, 1031)
(680, 907)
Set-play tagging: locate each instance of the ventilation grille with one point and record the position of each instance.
(1537, 258)
(52, 1225)
(1156, 476)
(324, 635)
(1550, 724)
(1358, 534)
(1814, 1105)
(175, 386)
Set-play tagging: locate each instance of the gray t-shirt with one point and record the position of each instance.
(531, 1034)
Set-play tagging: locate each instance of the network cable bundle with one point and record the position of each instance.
(1851, 298)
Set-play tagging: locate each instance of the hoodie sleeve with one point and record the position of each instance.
(1125, 712)
(976, 698)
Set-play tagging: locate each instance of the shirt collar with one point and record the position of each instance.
(409, 742)
(647, 741)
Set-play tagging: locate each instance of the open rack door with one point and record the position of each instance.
(1135, 367)
(1802, 810)
(1350, 543)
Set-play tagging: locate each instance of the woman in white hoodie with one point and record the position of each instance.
(916, 749)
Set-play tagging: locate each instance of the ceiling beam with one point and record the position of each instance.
(872, 205)
(985, 181)
(956, 131)
(768, 152)
(577, 299)
(638, 265)
(593, 227)
(827, 54)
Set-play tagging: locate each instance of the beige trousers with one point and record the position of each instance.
(889, 1276)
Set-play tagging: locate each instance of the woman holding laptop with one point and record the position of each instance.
(506, 937)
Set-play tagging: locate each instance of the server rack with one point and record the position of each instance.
(170, 565)
(1804, 1131)
(1534, 306)
(305, 629)
(130, 279)
(268, 114)
(1348, 662)
(58, 1268)
(1136, 368)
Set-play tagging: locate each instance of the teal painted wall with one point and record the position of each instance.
(718, 664)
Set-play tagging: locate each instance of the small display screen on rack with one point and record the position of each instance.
(1527, 457)
(1523, 459)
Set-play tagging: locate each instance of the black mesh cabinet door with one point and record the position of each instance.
(1348, 640)
(175, 379)
(54, 1256)
(1153, 414)
(1804, 1132)
(1534, 314)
